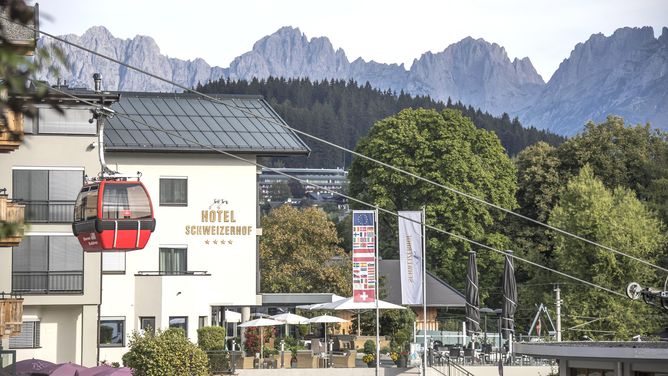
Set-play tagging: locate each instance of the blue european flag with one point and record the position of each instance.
(363, 219)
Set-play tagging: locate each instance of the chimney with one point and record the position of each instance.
(98, 81)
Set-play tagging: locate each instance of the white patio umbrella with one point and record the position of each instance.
(260, 322)
(349, 304)
(324, 319)
(290, 319)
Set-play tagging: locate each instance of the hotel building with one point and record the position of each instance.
(203, 255)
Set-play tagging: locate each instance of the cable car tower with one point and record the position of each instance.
(113, 212)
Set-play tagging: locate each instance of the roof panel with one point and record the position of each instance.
(261, 139)
(187, 107)
(174, 106)
(211, 108)
(163, 107)
(237, 140)
(178, 123)
(151, 108)
(223, 106)
(137, 104)
(211, 124)
(139, 137)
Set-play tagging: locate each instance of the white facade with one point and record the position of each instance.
(67, 320)
(221, 269)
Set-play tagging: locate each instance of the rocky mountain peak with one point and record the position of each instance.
(623, 74)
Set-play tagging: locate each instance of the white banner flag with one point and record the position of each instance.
(410, 256)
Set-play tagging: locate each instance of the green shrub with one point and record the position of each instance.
(369, 347)
(211, 338)
(167, 353)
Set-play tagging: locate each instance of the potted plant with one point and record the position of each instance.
(395, 357)
(369, 359)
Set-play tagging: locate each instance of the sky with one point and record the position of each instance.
(386, 31)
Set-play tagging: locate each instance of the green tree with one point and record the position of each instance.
(618, 219)
(538, 180)
(447, 148)
(620, 155)
(167, 353)
(299, 252)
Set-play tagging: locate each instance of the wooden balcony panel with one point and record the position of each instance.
(12, 212)
(11, 136)
(11, 316)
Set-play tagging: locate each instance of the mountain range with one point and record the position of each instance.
(623, 74)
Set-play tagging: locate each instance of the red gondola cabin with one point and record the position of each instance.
(113, 215)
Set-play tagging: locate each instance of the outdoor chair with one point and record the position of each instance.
(344, 360)
(455, 354)
(244, 362)
(469, 355)
(306, 359)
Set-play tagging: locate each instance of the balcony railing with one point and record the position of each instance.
(48, 282)
(49, 211)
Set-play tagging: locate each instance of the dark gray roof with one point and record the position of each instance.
(240, 124)
(439, 293)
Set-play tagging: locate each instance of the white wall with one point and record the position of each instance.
(231, 268)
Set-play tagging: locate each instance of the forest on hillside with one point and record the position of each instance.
(342, 112)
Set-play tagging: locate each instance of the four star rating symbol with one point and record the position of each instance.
(222, 242)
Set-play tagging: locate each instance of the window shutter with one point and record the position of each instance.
(30, 185)
(65, 254)
(113, 262)
(30, 255)
(65, 185)
(29, 337)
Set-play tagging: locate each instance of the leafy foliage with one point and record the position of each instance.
(343, 111)
(167, 353)
(299, 252)
(447, 148)
(619, 220)
(211, 338)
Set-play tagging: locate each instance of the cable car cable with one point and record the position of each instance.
(453, 190)
(460, 237)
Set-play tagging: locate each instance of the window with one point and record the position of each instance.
(173, 261)
(49, 195)
(125, 201)
(112, 331)
(174, 191)
(201, 322)
(113, 262)
(179, 322)
(29, 337)
(47, 264)
(147, 324)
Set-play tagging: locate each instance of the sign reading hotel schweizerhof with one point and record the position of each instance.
(364, 255)
(218, 224)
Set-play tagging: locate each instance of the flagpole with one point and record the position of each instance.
(424, 289)
(376, 294)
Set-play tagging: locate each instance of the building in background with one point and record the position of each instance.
(333, 179)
